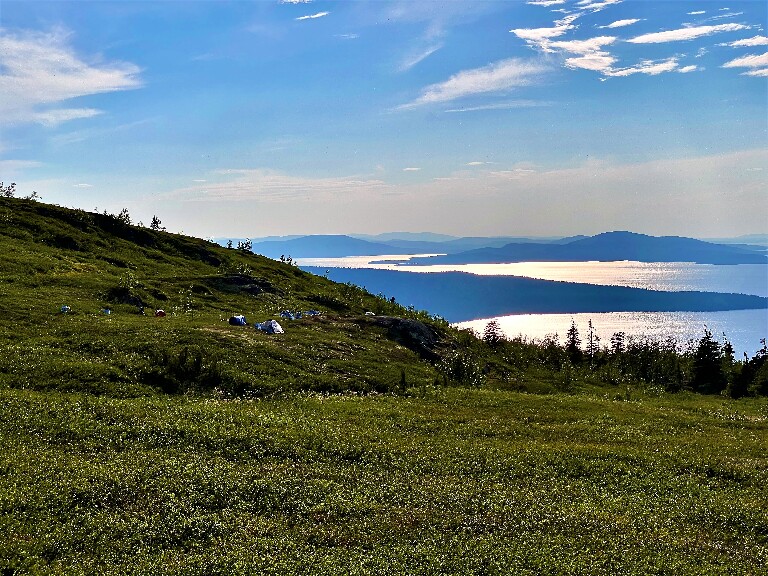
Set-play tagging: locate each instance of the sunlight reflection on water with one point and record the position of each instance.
(672, 276)
(744, 328)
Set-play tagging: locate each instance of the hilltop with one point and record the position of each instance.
(52, 257)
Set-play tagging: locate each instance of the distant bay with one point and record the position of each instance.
(653, 299)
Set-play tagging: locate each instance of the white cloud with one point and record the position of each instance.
(750, 61)
(539, 34)
(584, 46)
(38, 71)
(649, 67)
(82, 185)
(347, 36)
(295, 1)
(723, 16)
(273, 186)
(478, 163)
(754, 41)
(697, 12)
(313, 16)
(597, 62)
(56, 117)
(760, 73)
(685, 33)
(11, 167)
(591, 57)
(622, 23)
(507, 105)
(686, 69)
(411, 60)
(596, 6)
(545, 2)
(411, 169)
(496, 77)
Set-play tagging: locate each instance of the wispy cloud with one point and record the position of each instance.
(347, 36)
(413, 59)
(597, 62)
(478, 163)
(274, 186)
(545, 3)
(313, 16)
(295, 1)
(683, 34)
(411, 169)
(591, 56)
(696, 12)
(82, 185)
(622, 23)
(39, 71)
(499, 76)
(687, 69)
(650, 67)
(596, 6)
(749, 61)
(754, 41)
(540, 37)
(507, 105)
(724, 16)
(761, 73)
(11, 167)
(588, 46)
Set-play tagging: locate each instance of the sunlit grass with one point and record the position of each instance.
(456, 482)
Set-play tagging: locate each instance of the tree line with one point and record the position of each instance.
(706, 365)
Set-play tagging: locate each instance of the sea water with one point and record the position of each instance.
(743, 328)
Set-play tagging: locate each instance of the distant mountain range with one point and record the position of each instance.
(609, 246)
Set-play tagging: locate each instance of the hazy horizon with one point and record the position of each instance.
(294, 117)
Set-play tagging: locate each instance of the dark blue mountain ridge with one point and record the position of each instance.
(321, 246)
(460, 296)
(607, 247)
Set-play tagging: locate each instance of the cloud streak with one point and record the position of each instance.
(622, 23)
(273, 186)
(507, 105)
(38, 71)
(683, 34)
(501, 76)
(313, 16)
(754, 41)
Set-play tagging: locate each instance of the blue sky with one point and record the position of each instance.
(548, 117)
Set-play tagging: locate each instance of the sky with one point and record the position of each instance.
(257, 118)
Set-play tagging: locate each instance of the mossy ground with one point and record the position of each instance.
(455, 482)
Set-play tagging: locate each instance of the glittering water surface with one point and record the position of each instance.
(672, 276)
(744, 328)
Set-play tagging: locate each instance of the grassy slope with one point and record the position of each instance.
(459, 481)
(51, 256)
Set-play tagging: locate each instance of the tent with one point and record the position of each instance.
(270, 327)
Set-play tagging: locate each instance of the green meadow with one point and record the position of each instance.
(456, 482)
(351, 444)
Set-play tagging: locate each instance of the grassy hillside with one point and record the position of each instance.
(457, 482)
(51, 257)
(131, 444)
